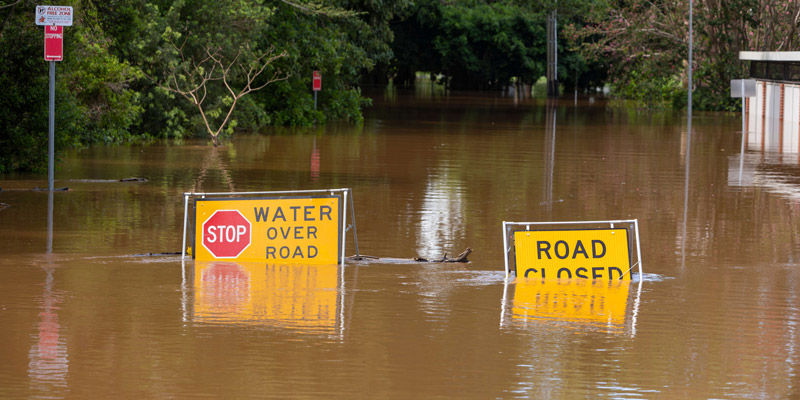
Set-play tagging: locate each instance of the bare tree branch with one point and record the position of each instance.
(8, 16)
(10, 4)
(214, 68)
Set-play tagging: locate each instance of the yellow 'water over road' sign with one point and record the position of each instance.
(275, 230)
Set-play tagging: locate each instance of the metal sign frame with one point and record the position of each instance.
(346, 193)
(507, 249)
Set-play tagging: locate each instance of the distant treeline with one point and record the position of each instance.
(137, 69)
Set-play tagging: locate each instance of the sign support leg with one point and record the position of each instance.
(51, 131)
(638, 248)
(344, 225)
(505, 247)
(353, 218)
(185, 223)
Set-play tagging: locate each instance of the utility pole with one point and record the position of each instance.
(552, 55)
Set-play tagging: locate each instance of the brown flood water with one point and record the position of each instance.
(717, 314)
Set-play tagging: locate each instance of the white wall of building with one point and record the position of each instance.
(765, 119)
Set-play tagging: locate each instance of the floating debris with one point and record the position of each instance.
(461, 258)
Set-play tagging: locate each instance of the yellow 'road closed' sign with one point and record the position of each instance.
(563, 254)
(275, 230)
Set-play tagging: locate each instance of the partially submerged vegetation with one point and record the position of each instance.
(168, 69)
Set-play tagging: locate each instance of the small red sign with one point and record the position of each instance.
(53, 43)
(317, 81)
(226, 233)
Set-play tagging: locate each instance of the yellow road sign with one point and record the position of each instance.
(274, 230)
(563, 254)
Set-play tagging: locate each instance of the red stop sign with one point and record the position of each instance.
(226, 233)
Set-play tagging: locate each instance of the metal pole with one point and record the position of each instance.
(555, 52)
(344, 225)
(315, 100)
(691, 7)
(505, 247)
(638, 249)
(353, 218)
(51, 135)
(50, 222)
(688, 146)
(744, 136)
(185, 222)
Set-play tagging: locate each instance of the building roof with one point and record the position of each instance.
(775, 56)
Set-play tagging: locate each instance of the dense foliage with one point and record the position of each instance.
(142, 69)
(644, 45)
(121, 56)
(471, 44)
(94, 103)
(486, 45)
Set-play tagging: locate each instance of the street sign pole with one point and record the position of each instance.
(744, 137)
(743, 88)
(54, 19)
(51, 136)
(316, 86)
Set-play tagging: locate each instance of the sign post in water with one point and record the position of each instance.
(316, 86)
(53, 18)
(741, 88)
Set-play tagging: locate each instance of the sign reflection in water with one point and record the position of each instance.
(583, 304)
(48, 364)
(301, 297)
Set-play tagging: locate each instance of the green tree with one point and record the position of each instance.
(645, 44)
(120, 55)
(321, 42)
(472, 44)
(93, 101)
(482, 45)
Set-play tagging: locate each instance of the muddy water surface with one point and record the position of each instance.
(85, 314)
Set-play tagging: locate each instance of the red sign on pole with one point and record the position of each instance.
(226, 233)
(53, 43)
(317, 81)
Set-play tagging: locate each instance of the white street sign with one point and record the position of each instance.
(743, 88)
(54, 15)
